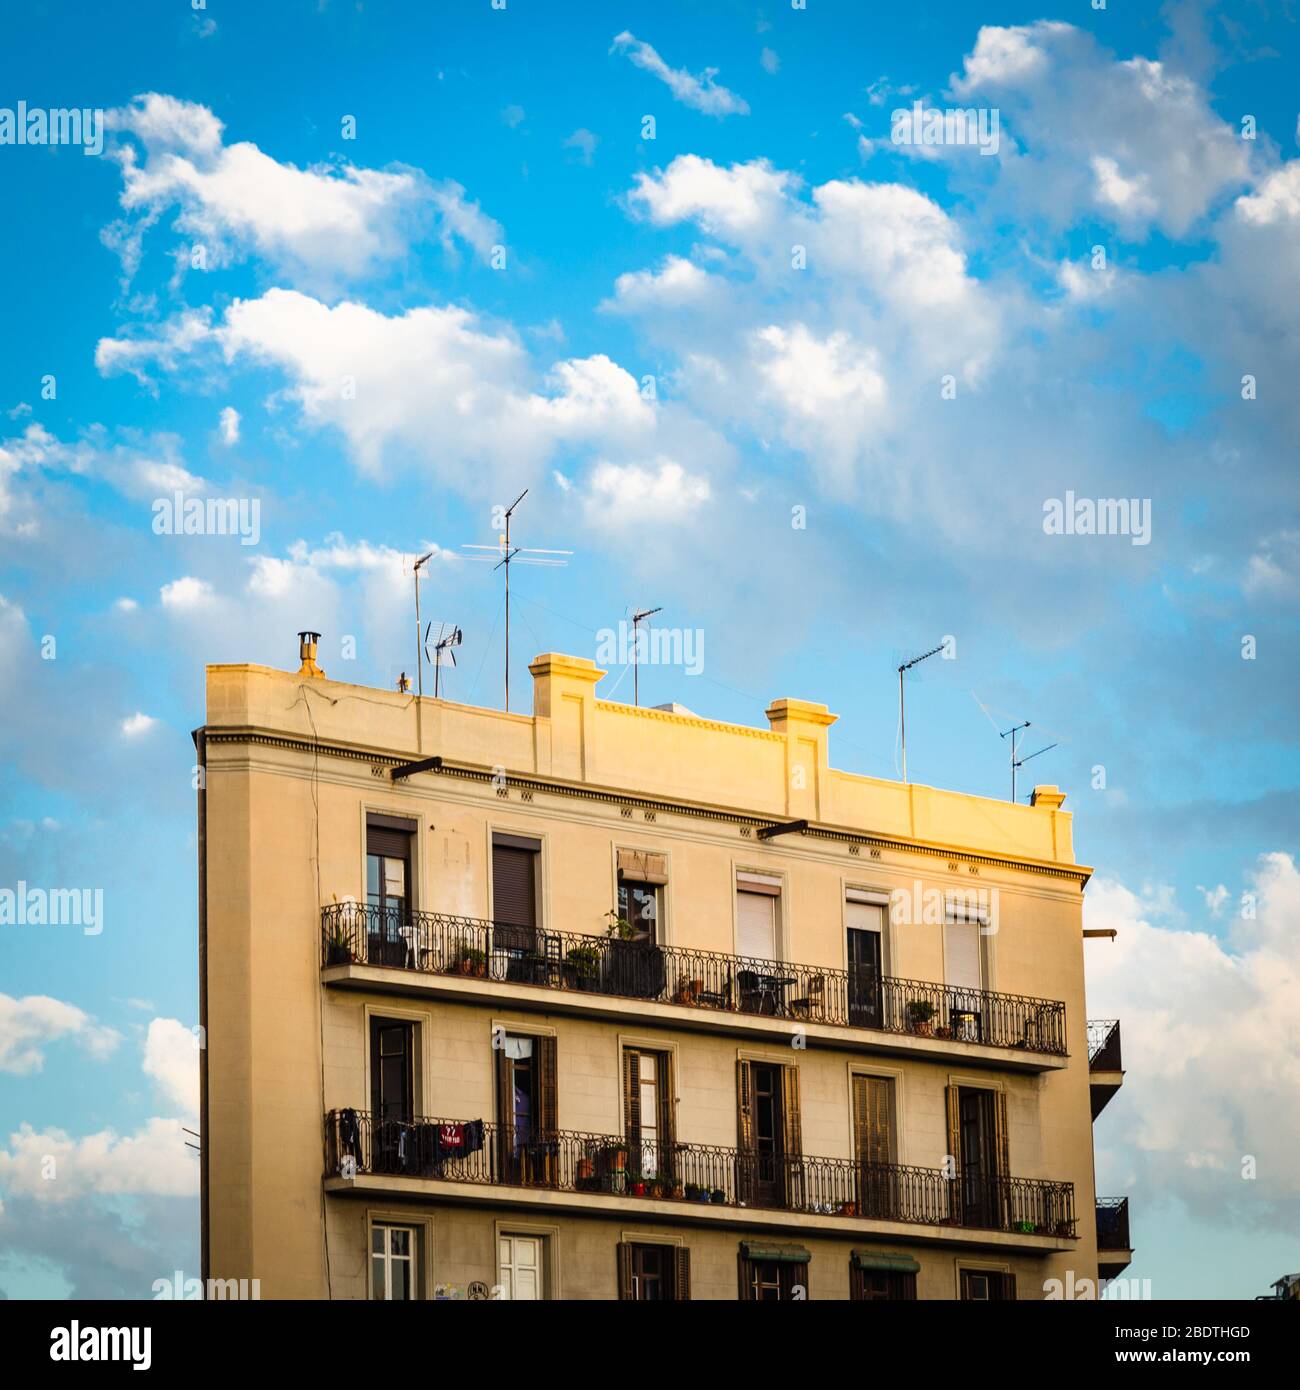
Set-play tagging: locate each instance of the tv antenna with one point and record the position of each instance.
(637, 618)
(449, 638)
(902, 720)
(1022, 762)
(419, 664)
(508, 553)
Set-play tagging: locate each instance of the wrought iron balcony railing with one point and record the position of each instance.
(570, 1161)
(1103, 1045)
(1112, 1223)
(439, 944)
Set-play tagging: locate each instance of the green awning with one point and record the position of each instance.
(794, 1254)
(885, 1264)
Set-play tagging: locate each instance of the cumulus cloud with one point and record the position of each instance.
(53, 1166)
(660, 491)
(1214, 1056)
(171, 1059)
(701, 93)
(29, 1025)
(185, 593)
(136, 724)
(229, 424)
(234, 199)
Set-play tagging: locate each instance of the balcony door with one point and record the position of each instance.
(514, 901)
(527, 1147)
(866, 929)
(873, 1143)
(648, 1114)
(392, 1094)
(977, 1122)
(388, 890)
(769, 1143)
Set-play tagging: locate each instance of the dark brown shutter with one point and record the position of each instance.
(744, 1135)
(1001, 1145)
(548, 1085)
(792, 1136)
(667, 1101)
(857, 1282)
(953, 1099)
(389, 835)
(681, 1273)
(745, 1274)
(871, 1120)
(623, 1251)
(514, 885)
(1009, 1287)
(632, 1095)
(505, 1111)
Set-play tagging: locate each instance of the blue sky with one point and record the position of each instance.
(456, 209)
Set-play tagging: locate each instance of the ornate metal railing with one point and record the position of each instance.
(1103, 1045)
(1112, 1223)
(440, 944)
(572, 1161)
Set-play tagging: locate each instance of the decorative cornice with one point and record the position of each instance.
(693, 720)
(614, 797)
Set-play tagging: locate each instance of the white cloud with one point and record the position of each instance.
(769, 61)
(678, 283)
(1212, 1049)
(137, 724)
(29, 1025)
(153, 1161)
(229, 424)
(701, 93)
(659, 491)
(185, 593)
(171, 1058)
(163, 346)
(235, 199)
(739, 201)
(584, 142)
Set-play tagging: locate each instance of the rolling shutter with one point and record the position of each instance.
(756, 924)
(961, 955)
(514, 884)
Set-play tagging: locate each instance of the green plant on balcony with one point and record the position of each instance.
(619, 929)
(338, 945)
(584, 961)
(920, 1013)
(471, 961)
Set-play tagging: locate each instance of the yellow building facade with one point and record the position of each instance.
(607, 1002)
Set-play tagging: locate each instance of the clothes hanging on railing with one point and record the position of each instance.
(349, 1134)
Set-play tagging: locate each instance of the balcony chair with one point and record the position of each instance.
(813, 1003)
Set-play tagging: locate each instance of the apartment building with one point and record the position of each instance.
(615, 1003)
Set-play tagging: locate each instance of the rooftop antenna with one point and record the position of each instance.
(902, 720)
(419, 664)
(1011, 734)
(525, 556)
(637, 618)
(448, 641)
(1021, 763)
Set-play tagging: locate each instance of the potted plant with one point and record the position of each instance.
(848, 1208)
(717, 1196)
(585, 961)
(942, 1031)
(692, 1192)
(684, 994)
(638, 1188)
(616, 1157)
(919, 1014)
(619, 929)
(472, 961)
(585, 1170)
(679, 1191)
(338, 946)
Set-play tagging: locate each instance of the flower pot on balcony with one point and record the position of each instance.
(718, 1196)
(585, 1171)
(339, 954)
(920, 1016)
(848, 1208)
(678, 1191)
(638, 1189)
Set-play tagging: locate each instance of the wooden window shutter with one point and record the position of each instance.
(623, 1252)
(857, 1282)
(1000, 1137)
(792, 1137)
(953, 1098)
(744, 1105)
(667, 1100)
(1009, 1287)
(681, 1273)
(632, 1095)
(548, 1086)
(514, 885)
(745, 1273)
(873, 1140)
(505, 1113)
(744, 1141)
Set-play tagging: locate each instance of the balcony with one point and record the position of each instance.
(1105, 1066)
(1114, 1246)
(466, 957)
(687, 1182)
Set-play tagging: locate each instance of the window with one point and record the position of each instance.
(648, 1111)
(768, 1133)
(520, 1267)
(392, 1093)
(882, 1278)
(977, 1139)
(865, 923)
(653, 1273)
(987, 1286)
(773, 1273)
(388, 889)
(394, 1267)
(873, 1142)
(757, 896)
(638, 904)
(526, 1108)
(514, 891)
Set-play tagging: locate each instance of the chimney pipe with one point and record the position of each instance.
(307, 652)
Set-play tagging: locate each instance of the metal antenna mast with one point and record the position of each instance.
(1023, 761)
(637, 618)
(902, 719)
(419, 665)
(447, 642)
(508, 553)
(1011, 733)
